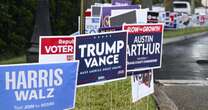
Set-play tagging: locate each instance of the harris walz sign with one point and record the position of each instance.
(38, 86)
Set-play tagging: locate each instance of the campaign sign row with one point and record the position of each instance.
(106, 57)
(70, 61)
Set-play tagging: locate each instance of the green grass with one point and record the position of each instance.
(16, 60)
(186, 31)
(110, 96)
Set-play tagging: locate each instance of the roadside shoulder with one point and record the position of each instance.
(181, 38)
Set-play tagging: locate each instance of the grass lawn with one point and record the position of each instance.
(110, 96)
(16, 60)
(186, 31)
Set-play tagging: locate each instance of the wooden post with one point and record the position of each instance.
(82, 21)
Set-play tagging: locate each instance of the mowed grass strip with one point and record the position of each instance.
(110, 96)
(186, 31)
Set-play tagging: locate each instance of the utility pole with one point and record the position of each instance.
(206, 7)
(42, 28)
(82, 18)
(192, 6)
(147, 4)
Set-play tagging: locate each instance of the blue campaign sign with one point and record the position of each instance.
(38, 86)
(102, 57)
(144, 46)
(110, 29)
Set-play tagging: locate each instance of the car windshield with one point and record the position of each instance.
(177, 5)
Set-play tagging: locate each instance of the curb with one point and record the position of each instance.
(162, 100)
(181, 38)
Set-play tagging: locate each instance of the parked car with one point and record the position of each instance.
(182, 6)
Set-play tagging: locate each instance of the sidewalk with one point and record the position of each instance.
(188, 97)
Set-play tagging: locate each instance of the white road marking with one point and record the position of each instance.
(184, 82)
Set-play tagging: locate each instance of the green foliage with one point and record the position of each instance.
(157, 1)
(64, 16)
(16, 25)
(136, 1)
(198, 3)
(18, 18)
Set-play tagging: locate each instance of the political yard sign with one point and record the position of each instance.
(38, 86)
(142, 85)
(144, 46)
(102, 57)
(56, 49)
(92, 24)
(110, 29)
(121, 2)
(106, 13)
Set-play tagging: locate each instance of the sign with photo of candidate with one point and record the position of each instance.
(128, 18)
(102, 57)
(38, 86)
(144, 46)
(142, 85)
(106, 13)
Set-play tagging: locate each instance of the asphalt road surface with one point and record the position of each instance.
(184, 73)
(180, 60)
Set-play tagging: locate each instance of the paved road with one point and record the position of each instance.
(186, 81)
(180, 60)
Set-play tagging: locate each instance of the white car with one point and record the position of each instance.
(182, 6)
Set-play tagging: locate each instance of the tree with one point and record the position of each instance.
(16, 25)
(64, 16)
(136, 1)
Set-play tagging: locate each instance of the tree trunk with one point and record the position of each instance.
(168, 5)
(192, 6)
(147, 4)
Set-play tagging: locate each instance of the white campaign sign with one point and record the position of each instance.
(92, 24)
(56, 49)
(142, 85)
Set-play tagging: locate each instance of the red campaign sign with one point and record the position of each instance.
(140, 29)
(57, 45)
